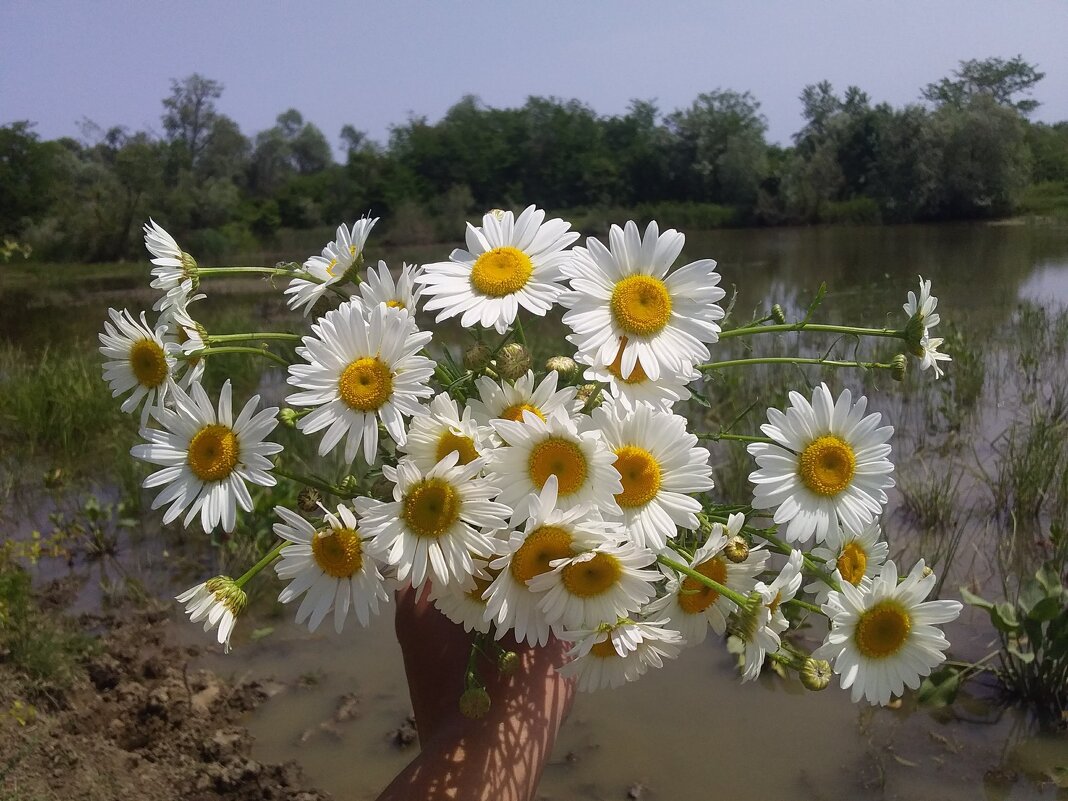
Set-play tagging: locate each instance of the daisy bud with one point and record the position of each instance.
(737, 550)
(474, 703)
(498, 213)
(513, 361)
(477, 356)
(349, 485)
(288, 417)
(507, 662)
(308, 499)
(898, 366)
(778, 315)
(815, 674)
(927, 571)
(585, 392)
(564, 365)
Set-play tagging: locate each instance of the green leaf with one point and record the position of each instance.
(1003, 616)
(1047, 609)
(972, 599)
(940, 688)
(1027, 657)
(1048, 577)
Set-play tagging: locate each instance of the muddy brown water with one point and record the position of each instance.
(690, 730)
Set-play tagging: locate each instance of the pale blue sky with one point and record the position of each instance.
(372, 64)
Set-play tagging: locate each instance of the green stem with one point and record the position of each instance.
(310, 481)
(805, 605)
(266, 560)
(734, 437)
(225, 270)
(520, 337)
(803, 326)
(810, 565)
(274, 357)
(592, 400)
(212, 339)
(723, 590)
(793, 360)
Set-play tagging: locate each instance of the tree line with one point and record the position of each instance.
(965, 150)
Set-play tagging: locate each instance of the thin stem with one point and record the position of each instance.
(803, 326)
(805, 605)
(213, 338)
(224, 270)
(520, 337)
(592, 400)
(266, 560)
(734, 437)
(809, 564)
(793, 360)
(723, 590)
(310, 481)
(274, 357)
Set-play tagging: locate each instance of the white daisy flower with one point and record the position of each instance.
(508, 263)
(331, 267)
(379, 287)
(886, 638)
(538, 449)
(692, 606)
(931, 356)
(435, 434)
(462, 602)
(593, 587)
(922, 308)
(550, 534)
(610, 656)
(623, 299)
(175, 271)
(637, 388)
(138, 358)
(828, 463)
(189, 336)
(218, 602)
(359, 372)
(505, 401)
(761, 628)
(437, 520)
(857, 560)
(208, 456)
(334, 567)
(660, 468)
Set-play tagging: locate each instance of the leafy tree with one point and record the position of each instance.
(28, 170)
(189, 113)
(996, 78)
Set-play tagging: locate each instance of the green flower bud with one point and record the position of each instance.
(508, 662)
(477, 357)
(585, 392)
(564, 365)
(815, 674)
(737, 549)
(778, 314)
(474, 703)
(513, 361)
(899, 365)
(349, 485)
(288, 417)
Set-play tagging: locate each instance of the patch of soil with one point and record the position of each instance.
(137, 723)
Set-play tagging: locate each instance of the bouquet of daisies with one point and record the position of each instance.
(572, 502)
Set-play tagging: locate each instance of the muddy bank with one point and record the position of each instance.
(137, 721)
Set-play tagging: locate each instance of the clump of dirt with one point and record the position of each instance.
(136, 722)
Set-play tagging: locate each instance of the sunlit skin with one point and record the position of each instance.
(498, 757)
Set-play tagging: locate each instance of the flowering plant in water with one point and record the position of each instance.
(573, 501)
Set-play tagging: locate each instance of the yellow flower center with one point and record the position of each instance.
(852, 563)
(481, 585)
(501, 271)
(541, 546)
(431, 507)
(604, 650)
(827, 465)
(556, 456)
(148, 362)
(515, 412)
(338, 551)
(641, 305)
(462, 444)
(396, 304)
(882, 630)
(592, 577)
(366, 384)
(694, 596)
(213, 453)
(637, 374)
(639, 473)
